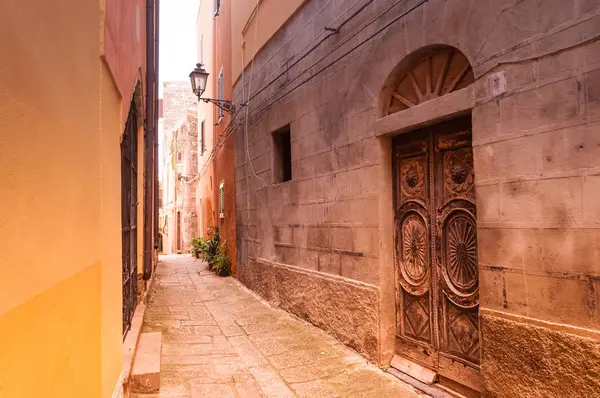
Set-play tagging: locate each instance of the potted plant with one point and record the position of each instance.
(222, 262)
(198, 247)
(212, 246)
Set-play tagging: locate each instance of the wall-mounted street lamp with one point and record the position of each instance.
(198, 77)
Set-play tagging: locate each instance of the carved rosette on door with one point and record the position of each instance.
(456, 237)
(413, 247)
(437, 284)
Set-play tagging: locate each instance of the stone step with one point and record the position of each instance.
(414, 370)
(145, 375)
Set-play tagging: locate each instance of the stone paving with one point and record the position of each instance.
(219, 340)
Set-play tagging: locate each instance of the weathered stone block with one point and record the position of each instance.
(356, 153)
(283, 234)
(591, 193)
(354, 210)
(540, 109)
(592, 86)
(517, 248)
(569, 149)
(348, 311)
(357, 268)
(556, 200)
(492, 289)
(366, 240)
(309, 259)
(342, 238)
(526, 360)
(329, 262)
(561, 300)
(356, 182)
(145, 374)
(488, 203)
(485, 120)
(571, 250)
(319, 237)
(513, 158)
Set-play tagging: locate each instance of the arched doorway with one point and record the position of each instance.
(435, 227)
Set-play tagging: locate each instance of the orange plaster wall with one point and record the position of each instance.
(124, 47)
(49, 140)
(248, 38)
(60, 270)
(205, 193)
(223, 161)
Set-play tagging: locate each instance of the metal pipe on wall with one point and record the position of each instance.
(156, 71)
(149, 141)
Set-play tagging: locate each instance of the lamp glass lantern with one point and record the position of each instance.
(198, 78)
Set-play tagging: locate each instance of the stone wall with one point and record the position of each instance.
(537, 166)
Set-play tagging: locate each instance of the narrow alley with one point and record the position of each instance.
(219, 340)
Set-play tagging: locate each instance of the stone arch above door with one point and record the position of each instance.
(436, 73)
(428, 85)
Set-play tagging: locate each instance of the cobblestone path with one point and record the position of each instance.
(219, 340)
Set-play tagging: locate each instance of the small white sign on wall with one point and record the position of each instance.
(497, 84)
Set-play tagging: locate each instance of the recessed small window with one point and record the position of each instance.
(222, 199)
(220, 90)
(282, 154)
(202, 139)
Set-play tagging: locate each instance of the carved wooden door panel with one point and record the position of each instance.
(415, 277)
(437, 284)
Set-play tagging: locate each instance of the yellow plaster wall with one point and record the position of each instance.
(60, 293)
(50, 345)
(111, 131)
(247, 40)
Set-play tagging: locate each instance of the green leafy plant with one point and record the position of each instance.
(198, 247)
(222, 262)
(212, 246)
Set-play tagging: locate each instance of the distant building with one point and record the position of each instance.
(179, 213)
(177, 99)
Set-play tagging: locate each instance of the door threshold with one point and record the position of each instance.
(432, 390)
(414, 370)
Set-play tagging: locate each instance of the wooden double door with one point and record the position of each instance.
(437, 283)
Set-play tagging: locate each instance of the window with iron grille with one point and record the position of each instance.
(222, 199)
(216, 7)
(220, 93)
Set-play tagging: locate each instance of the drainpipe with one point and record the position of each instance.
(149, 141)
(156, 64)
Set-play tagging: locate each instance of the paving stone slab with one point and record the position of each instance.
(219, 340)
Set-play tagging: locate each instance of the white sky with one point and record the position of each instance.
(177, 52)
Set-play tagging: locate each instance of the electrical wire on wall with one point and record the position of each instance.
(247, 103)
(232, 127)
